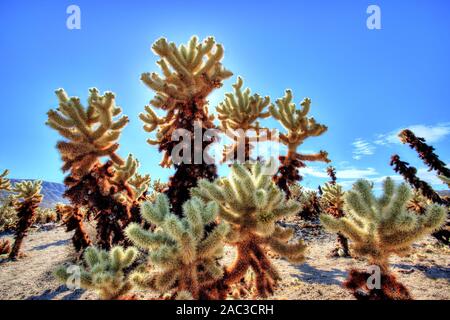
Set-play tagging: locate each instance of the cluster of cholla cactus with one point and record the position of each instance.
(299, 127)
(184, 225)
(426, 153)
(190, 73)
(309, 200)
(91, 133)
(238, 115)
(28, 198)
(251, 203)
(379, 228)
(103, 273)
(183, 257)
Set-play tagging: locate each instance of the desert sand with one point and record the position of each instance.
(426, 271)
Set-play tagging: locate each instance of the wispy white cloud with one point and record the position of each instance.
(347, 173)
(431, 133)
(429, 177)
(362, 148)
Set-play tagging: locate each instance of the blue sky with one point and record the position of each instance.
(364, 84)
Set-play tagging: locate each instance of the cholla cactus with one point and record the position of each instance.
(238, 114)
(331, 172)
(73, 218)
(299, 127)
(252, 204)
(156, 187)
(380, 227)
(8, 214)
(5, 247)
(46, 215)
(190, 73)
(418, 203)
(122, 175)
(92, 132)
(104, 272)
(333, 204)
(409, 174)
(4, 181)
(182, 256)
(308, 199)
(28, 195)
(425, 152)
(140, 184)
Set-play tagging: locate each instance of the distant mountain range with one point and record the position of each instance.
(444, 193)
(52, 191)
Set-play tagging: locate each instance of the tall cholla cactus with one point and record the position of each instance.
(182, 257)
(333, 203)
(251, 203)
(299, 127)
(29, 197)
(104, 272)
(380, 227)
(73, 218)
(190, 73)
(238, 114)
(5, 184)
(92, 132)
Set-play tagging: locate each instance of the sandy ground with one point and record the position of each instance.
(426, 272)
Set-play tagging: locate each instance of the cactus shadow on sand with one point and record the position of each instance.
(311, 274)
(52, 294)
(52, 244)
(432, 272)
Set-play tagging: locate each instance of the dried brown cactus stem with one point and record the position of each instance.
(73, 219)
(96, 191)
(187, 173)
(26, 212)
(390, 288)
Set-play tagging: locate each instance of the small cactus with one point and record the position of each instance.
(104, 271)
(381, 227)
(183, 257)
